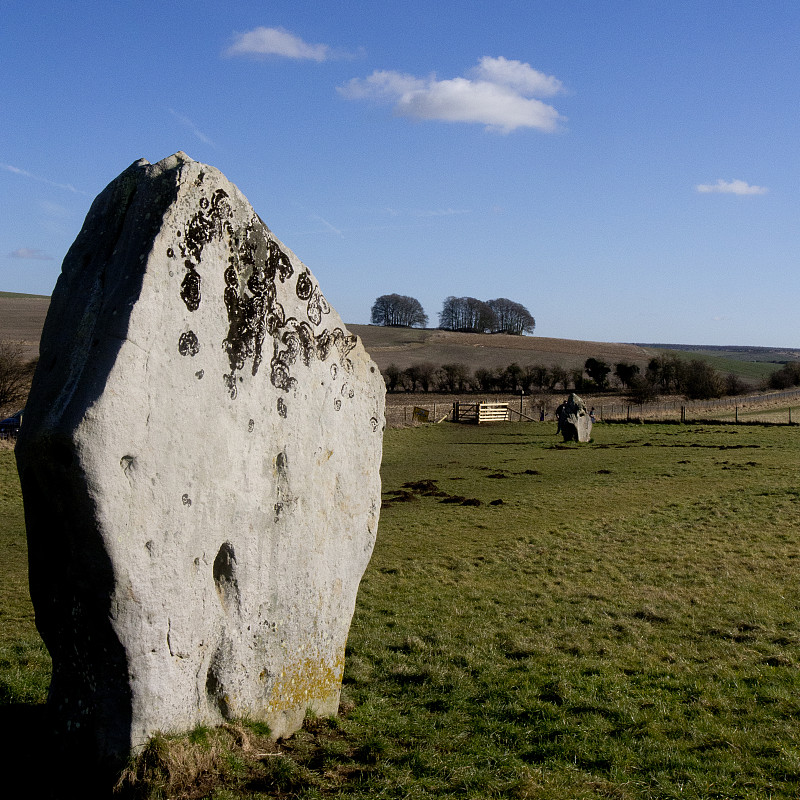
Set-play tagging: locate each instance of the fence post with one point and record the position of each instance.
(737, 413)
(434, 412)
(405, 415)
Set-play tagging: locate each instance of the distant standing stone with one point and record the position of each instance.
(200, 468)
(574, 422)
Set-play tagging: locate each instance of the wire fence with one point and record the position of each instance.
(778, 408)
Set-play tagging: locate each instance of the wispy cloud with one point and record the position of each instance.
(192, 127)
(55, 210)
(427, 212)
(278, 42)
(25, 174)
(441, 212)
(328, 226)
(730, 187)
(31, 254)
(499, 93)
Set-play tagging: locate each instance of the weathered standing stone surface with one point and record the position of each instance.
(200, 468)
(574, 421)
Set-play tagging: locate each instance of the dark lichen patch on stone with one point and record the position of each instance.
(304, 286)
(188, 344)
(190, 287)
(256, 264)
(317, 306)
(207, 223)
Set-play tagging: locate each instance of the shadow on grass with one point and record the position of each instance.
(28, 751)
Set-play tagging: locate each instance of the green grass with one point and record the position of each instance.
(754, 370)
(624, 624)
(24, 662)
(14, 295)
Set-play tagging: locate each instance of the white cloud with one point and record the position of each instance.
(517, 75)
(30, 253)
(501, 95)
(277, 42)
(730, 187)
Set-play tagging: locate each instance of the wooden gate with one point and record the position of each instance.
(480, 413)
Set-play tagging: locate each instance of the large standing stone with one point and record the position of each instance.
(199, 462)
(574, 422)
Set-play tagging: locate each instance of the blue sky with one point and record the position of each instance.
(626, 170)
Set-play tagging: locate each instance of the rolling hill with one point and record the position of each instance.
(22, 317)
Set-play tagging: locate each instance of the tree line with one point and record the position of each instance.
(464, 314)
(666, 374)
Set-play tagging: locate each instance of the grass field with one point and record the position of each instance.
(613, 620)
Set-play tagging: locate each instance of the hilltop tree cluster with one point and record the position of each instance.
(468, 314)
(465, 314)
(398, 311)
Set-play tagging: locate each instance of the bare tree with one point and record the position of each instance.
(559, 375)
(453, 377)
(15, 374)
(393, 376)
(511, 317)
(598, 371)
(398, 310)
(467, 314)
(625, 372)
(540, 375)
(484, 379)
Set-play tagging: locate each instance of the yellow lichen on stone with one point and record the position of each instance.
(307, 682)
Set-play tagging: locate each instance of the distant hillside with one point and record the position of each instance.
(406, 346)
(22, 317)
(750, 363)
(774, 355)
